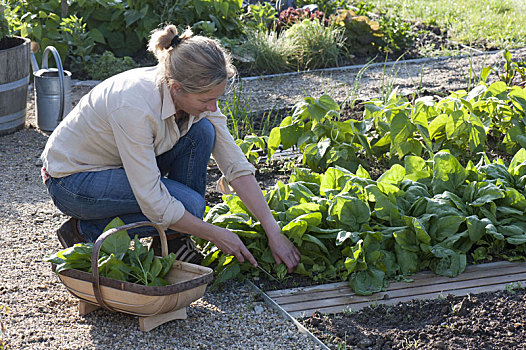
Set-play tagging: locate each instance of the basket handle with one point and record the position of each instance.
(98, 244)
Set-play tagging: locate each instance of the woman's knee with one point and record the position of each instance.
(195, 205)
(204, 132)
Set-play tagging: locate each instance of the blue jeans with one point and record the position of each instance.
(97, 197)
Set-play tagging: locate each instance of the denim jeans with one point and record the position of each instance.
(97, 197)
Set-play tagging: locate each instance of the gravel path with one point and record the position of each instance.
(43, 315)
(444, 75)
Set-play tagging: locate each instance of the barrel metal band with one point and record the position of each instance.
(13, 117)
(14, 84)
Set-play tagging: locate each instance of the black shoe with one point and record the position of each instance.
(183, 247)
(68, 233)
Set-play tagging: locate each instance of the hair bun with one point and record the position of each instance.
(175, 41)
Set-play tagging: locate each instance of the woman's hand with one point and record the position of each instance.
(230, 244)
(283, 250)
(227, 241)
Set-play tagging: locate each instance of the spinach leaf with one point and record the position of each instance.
(117, 243)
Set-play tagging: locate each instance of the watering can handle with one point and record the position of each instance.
(60, 76)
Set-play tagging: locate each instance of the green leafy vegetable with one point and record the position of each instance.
(425, 214)
(117, 259)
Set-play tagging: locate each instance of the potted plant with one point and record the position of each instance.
(14, 77)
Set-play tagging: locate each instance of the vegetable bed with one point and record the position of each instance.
(442, 201)
(483, 321)
(411, 183)
(426, 214)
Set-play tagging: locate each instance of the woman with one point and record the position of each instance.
(137, 147)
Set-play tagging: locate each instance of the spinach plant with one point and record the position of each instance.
(315, 130)
(253, 147)
(460, 122)
(512, 69)
(426, 214)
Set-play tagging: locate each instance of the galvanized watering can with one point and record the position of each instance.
(52, 91)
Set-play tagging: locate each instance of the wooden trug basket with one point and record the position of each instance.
(154, 305)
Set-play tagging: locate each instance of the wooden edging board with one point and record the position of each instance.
(338, 297)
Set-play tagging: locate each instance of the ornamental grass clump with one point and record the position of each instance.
(270, 53)
(317, 46)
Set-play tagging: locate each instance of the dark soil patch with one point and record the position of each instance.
(267, 176)
(212, 195)
(8, 43)
(483, 321)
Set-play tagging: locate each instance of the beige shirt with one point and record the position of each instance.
(126, 121)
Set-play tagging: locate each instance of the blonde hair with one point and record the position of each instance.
(196, 62)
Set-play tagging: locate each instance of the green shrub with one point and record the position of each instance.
(317, 46)
(68, 35)
(220, 18)
(224, 14)
(260, 16)
(396, 34)
(362, 35)
(4, 26)
(120, 26)
(100, 67)
(78, 40)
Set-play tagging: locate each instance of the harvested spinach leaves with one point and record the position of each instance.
(117, 259)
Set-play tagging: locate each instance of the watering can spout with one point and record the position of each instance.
(34, 63)
(52, 91)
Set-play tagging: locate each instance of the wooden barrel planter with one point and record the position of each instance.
(14, 81)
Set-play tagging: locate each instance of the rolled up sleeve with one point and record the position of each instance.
(135, 142)
(229, 157)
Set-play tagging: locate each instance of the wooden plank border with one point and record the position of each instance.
(338, 297)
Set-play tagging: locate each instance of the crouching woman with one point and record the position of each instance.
(137, 147)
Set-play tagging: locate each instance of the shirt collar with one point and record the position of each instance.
(168, 107)
(167, 104)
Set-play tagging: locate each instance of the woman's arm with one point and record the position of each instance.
(233, 164)
(224, 239)
(249, 192)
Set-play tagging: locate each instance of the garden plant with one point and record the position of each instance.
(375, 190)
(439, 203)
(263, 38)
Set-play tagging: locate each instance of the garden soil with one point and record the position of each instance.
(36, 311)
(484, 321)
